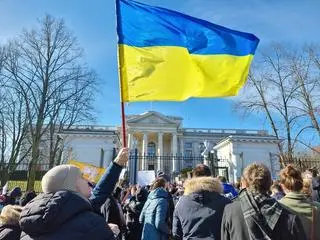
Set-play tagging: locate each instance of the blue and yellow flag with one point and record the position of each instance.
(169, 56)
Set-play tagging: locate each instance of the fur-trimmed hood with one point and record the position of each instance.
(202, 184)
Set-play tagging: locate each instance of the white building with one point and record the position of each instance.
(156, 135)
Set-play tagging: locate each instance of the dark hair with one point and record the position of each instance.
(27, 197)
(141, 194)
(291, 178)
(222, 179)
(257, 177)
(201, 170)
(16, 192)
(159, 182)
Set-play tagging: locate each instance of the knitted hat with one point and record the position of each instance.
(163, 175)
(63, 177)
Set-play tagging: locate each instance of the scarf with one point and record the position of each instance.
(261, 214)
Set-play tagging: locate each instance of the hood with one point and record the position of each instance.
(47, 212)
(202, 184)
(158, 193)
(141, 195)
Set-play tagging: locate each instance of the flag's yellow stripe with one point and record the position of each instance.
(171, 73)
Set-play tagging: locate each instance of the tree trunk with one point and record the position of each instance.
(32, 166)
(4, 176)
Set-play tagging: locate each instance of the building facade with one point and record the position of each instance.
(162, 143)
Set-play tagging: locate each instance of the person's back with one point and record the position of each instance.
(256, 215)
(299, 203)
(133, 210)
(62, 215)
(155, 212)
(66, 209)
(198, 213)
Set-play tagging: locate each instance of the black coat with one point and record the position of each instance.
(234, 225)
(8, 232)
(198, 214)
(62, 215)
(133, 210)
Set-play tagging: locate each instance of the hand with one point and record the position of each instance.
(123, 157)
(114, 228)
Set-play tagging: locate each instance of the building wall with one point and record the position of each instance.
(87, 149)
(260, 153)
(241, 154)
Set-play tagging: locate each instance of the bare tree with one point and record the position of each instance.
(305, 66)
(272, 92)
(13, 134)
(45, 65)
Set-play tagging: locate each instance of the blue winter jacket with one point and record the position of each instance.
(153, 216)
(229, 191)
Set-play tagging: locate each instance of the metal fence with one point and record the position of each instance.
(19, 176)
(173, 166)
(305, 163)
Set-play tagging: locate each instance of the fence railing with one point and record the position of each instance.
(305, 163)
(175, 165)
(171, 165)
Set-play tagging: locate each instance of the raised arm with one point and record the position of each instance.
(107, 182)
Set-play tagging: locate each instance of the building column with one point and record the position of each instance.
(160, 151)
(130, 140)
(144, 150)
(181, 147)
(174, 152)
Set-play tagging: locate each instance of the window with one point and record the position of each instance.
(188, 145)
(151, 148)
(188, 153)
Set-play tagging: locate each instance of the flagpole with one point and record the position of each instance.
(123, 119)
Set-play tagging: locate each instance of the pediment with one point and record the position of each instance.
(151, 118)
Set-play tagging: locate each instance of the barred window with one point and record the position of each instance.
(151, 148)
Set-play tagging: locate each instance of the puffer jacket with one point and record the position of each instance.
(154, 215)
(198, 213)
(62, 215)
(9, 232)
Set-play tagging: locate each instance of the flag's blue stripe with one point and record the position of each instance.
(141, 25)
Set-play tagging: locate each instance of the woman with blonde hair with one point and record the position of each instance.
(298, 202)
(9, 222)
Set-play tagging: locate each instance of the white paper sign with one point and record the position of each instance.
(122, 174)
(145, 177)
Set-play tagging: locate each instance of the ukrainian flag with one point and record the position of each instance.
(169, 56)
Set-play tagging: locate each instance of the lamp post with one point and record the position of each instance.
(134, 162)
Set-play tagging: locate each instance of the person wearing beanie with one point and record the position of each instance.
(68, 208)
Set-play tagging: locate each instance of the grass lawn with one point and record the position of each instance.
(23, 185)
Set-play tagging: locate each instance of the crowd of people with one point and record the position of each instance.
(203, 207)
